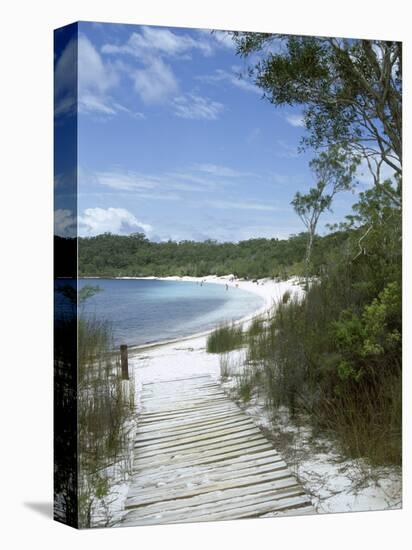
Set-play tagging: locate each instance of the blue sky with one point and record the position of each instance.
(175, 144)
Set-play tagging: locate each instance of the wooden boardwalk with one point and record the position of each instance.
(198, 457)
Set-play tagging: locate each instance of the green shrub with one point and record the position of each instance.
(225, 338)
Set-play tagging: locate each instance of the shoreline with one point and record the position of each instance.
(270, 290)
(267, 289)
(186, 356)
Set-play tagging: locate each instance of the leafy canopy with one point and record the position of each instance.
(350, 91)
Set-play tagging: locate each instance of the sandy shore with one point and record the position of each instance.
(187, 356)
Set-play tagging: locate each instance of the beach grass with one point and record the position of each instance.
(226, 337)
(105, 411)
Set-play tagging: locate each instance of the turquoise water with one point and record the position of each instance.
(146, 311)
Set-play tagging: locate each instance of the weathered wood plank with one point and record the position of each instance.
(225, 434)
(214, 476)
(245, 507)
(238, 464)
(184, 428)
(242, 446)
(198, 457)
(195, 412)
(153, 495)
(267, 490)
(221, 457)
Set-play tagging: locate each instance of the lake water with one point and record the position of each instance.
(145, 311)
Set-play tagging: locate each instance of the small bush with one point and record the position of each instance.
(225, 338)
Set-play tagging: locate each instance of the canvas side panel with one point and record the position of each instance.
(65, 275)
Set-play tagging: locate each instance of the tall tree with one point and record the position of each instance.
(334, 172)
(350, 92)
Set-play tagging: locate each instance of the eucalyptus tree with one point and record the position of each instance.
(350, 92)
(334, 172)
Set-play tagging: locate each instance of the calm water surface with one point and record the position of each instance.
(143, 311)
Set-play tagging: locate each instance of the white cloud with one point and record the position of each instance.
(94, 75)
(65, 81)
(193, 106)
(220, 171)
(95, 221)
(95, 83)
(234, 77)
(125, 181)
(164, 186)
(224, 39)
(96, 79)
(241, 205)
(218, 38)
(295, 120)
(64, 223)
(152, 41)
(156, 82)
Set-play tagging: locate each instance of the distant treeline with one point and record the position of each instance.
(134, 255)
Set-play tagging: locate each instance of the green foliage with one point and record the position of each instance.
(336, 354)
(105, 406)
(350, 90)
(334, 171)
(225, 338)
(364, 339)
(134, 256)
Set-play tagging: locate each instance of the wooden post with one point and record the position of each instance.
(124, 362)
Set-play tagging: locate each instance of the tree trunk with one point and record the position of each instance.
(308, 254)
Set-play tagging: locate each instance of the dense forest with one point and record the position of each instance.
(134, 255)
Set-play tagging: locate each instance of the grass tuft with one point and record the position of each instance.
(226, 337)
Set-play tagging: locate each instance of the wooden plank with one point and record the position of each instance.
(211, 458)
(238, 464)
(187, 468)
(212, 475)
(208, 409)
(198, 457)
(188, 428)
(224, 434)
(238, 494)
(194, 378)
(293, 499)
(168, 440)
(252, 511)
(183, 394)
(254, 442)
(197, 450)
(153, 495)
(148, 421)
